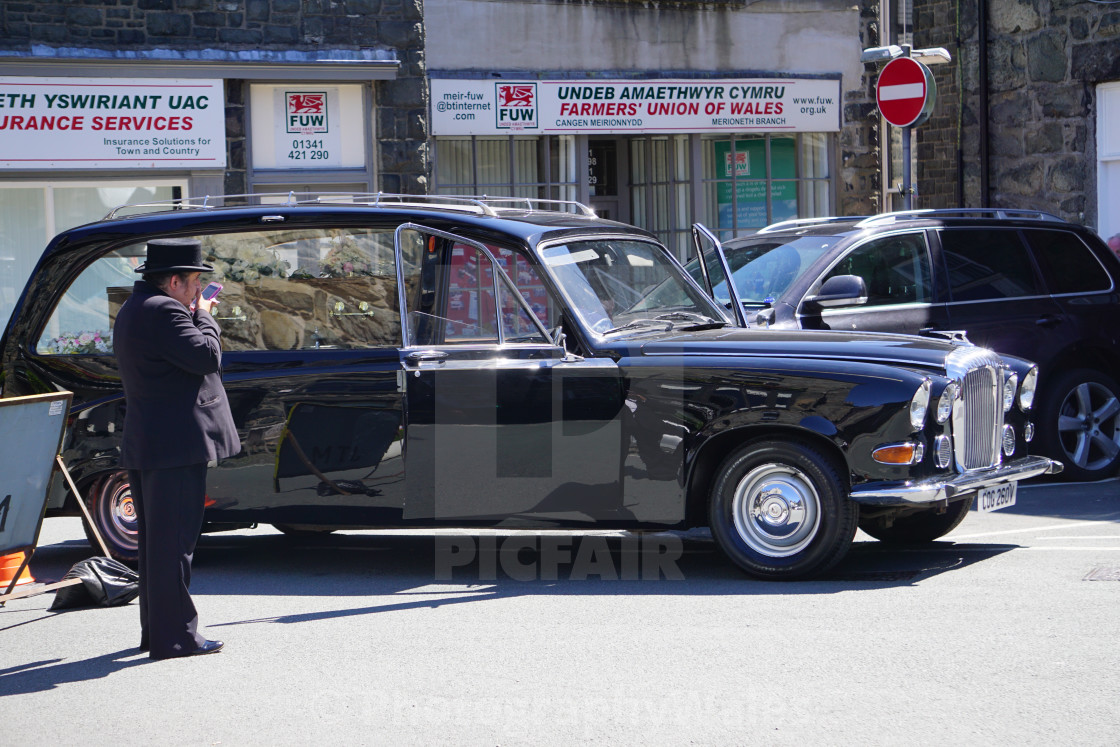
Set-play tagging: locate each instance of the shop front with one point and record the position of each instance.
(90, 136)
(733, 153)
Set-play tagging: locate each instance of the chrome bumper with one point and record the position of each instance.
(934, 490)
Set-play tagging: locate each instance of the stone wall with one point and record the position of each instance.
(253, 26)
(1045, 58)
(860, 189)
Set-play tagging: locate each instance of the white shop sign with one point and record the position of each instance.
(489, 107)
(82, 123)
(308, 127)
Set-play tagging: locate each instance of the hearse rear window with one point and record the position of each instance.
(283, 290)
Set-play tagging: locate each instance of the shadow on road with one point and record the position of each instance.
(403, 566)
(39, 676)
(394, 572)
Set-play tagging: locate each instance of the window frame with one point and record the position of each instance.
(391, 305)
(924, 241)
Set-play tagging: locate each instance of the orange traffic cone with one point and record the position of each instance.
(9, 564)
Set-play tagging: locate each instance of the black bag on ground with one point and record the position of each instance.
(105, 582)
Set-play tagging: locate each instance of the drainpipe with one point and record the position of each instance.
(982, 30)
(960, 109)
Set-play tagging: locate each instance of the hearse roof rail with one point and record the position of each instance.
(484, 204)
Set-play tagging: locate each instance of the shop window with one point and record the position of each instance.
(283, 290)
(520, 166)
(1108, 158)
(660, 189)
(751, 181)
(33, 212)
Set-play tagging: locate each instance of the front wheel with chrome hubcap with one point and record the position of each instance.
(780, 510)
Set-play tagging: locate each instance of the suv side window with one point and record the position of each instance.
(988, 263)
(896, 269)
(283, 290)
(1068, 265)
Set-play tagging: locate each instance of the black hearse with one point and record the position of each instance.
(457, 362)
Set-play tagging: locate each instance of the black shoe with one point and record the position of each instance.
(144, 646)
(209, 647)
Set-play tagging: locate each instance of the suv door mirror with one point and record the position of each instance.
(839, 290)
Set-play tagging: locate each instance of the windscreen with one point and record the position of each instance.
(621, 285)
(764, 268)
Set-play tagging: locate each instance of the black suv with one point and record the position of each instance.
(478, 362)
(1020, 282)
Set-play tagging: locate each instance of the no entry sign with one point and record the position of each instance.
(906, 93)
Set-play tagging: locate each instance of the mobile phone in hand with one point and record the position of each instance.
(211, 290)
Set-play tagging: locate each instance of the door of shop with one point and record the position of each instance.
(606, 178)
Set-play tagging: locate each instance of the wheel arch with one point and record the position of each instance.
(1081, 355)
(85, 474)
(705, 466)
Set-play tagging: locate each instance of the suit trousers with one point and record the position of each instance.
(169, 506)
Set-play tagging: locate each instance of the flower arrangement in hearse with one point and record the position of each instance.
(79, 343)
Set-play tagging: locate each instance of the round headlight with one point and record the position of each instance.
(1010, 386)
(945, 402)
(919, 405)
(1026, 391)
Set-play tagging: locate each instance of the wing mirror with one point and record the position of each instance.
(840, 290)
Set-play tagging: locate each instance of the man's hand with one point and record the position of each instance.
(204, 304)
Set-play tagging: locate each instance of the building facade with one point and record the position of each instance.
(1028, 115)
(662, 113)
(735, 115)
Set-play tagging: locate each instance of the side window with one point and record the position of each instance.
(450, 289)
(283, 290)
(82, 323)
(1067, 264)
(896, 269)
(988, 263)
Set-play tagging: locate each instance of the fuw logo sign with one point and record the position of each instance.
(517, 106)
(306, 113)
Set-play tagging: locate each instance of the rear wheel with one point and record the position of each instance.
(780, 510)
(923, 526)
(1079, 424)
(109, 499)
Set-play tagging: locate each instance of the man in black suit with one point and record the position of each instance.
(177, 420)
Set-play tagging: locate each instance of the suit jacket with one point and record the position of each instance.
(176, 410)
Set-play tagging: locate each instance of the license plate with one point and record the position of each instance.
(996, 497)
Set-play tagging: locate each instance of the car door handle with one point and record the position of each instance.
(1048, 320)
(425, 356)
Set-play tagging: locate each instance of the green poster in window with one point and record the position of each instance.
(750, 176)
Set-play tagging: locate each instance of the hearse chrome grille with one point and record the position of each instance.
(978, 414)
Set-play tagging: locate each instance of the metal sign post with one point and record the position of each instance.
(906, 94)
